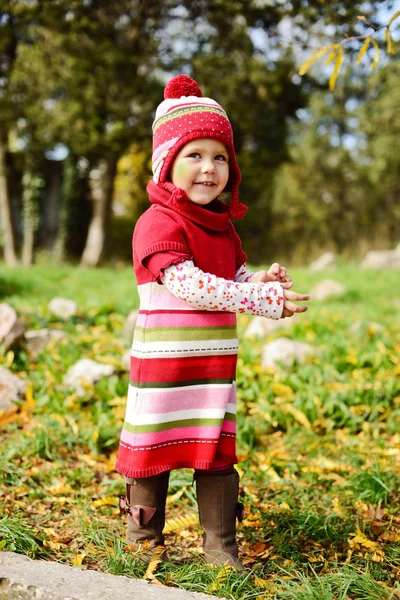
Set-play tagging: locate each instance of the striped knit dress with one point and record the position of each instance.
(181, 406)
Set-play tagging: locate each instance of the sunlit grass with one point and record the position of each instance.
(318, 445)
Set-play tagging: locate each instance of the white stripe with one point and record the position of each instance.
(169, 349)
(176, 415)
(166, 105)
(205, 386)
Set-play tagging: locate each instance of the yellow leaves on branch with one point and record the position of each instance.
(363, 49)
(337, 53)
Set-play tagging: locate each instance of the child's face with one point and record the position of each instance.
(201, 169)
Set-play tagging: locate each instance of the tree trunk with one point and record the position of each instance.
(10, 256)
(102, 187)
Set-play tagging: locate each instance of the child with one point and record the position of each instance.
(192, 279)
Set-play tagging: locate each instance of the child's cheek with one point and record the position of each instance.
(181, 169)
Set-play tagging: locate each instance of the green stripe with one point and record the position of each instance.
(178, 112)
(154, 427)
(183, 334)
(171, 384)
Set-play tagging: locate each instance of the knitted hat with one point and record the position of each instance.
(183, 116)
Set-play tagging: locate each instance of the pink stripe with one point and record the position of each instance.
(160, 437)
(229, 426)
(164, 401)
(166, 146)
(186, 320)
(165, 301)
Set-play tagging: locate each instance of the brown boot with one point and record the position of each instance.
(217, 497)
(145, 507)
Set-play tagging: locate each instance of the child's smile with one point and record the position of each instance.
(201, 169)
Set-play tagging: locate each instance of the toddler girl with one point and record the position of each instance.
(192, 279)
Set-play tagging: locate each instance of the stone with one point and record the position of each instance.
(129, 326)
(22, 578)
(325, 262)
(287, 352)
(382, 259)
(86, 372)
(261, 327)
(328, 288)
(12, 390)
(62, 307)
(126, 360)
(37, 339)
(11, 328)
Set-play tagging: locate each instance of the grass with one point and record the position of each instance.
(319, 445)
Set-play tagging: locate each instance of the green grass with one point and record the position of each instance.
(318, 444)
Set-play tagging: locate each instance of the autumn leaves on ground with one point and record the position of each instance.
(319, 446)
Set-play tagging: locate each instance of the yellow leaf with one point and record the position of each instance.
(378, 556)
(264, 584)
(176, 496)
(396, 14)
(285, 506)
(336, 69)
(327, 62)
(363, 49)
(78, 559)
(337, 509)
(155, 560)
(9, 359)
(315, 559)
(224, 572)
(179, 523)
(60, 488)
(299, 416)
(107, 501)
(389, 41)
(304, 68)
(72, 423)
(280, 389)
(377, 55)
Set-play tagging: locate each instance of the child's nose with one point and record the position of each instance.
(208, 166)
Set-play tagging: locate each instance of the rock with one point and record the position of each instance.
(86, 372)
(261, 327)
(382, 259)
(126, 360)
(328, 288)
(37, 339)
(27, 579)
(326, 261)
(63, 308)
(11, 328)
(286, 352)
(12, 389)
(129, 325)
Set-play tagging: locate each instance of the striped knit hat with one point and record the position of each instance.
(183, 116)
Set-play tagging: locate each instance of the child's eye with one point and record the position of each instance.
(194, 155)
(220, 157)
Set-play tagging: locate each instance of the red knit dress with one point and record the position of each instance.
(181, 408)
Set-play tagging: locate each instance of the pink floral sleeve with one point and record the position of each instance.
(209, 292)
(243, 274)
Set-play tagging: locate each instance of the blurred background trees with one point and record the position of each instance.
(79, 84)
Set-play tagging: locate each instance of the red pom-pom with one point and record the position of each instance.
(182, 85)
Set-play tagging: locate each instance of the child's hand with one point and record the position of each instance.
(289, 308)
(274, 273)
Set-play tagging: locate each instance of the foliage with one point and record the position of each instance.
(336, 52)
(318, 447)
